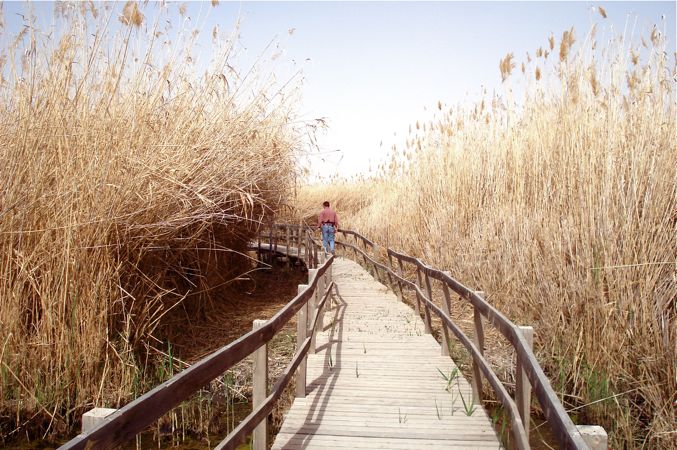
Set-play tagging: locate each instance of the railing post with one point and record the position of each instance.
(270, 245)
(391, 284)
(327, 282)
(446, 307)
(400, 271)
(374, 251)
(595, 436)
(312, 307)
(275, 237)
(398, 292)
(298, 236)
(258, 248)
(318, 298)
(429, 290)
(288, 244)
(260, 391)
(479, 343)
(301, 334)
(316, 252)
(522, 385)
(419, 283)
(310, 251)
(364, 255)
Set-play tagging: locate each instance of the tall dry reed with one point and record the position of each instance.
(133, 174)
(562, 206)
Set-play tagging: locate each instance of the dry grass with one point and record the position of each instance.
(562, 207)
(130, 185)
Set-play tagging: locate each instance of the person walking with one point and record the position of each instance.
(327, 222)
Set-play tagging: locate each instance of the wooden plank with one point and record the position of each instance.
(470, 434)
(375, 380)
(294, 441)
(374, 409)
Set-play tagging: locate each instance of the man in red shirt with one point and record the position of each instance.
(327, 222)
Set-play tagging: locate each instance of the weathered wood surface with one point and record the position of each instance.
(375, 380)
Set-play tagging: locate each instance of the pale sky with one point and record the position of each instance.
(370, 68)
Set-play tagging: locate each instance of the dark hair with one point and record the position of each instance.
(325, 204)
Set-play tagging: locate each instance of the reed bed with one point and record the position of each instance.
(134, 173)
(561, 206)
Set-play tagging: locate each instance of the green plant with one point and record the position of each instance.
(469, 408)
(450, 378)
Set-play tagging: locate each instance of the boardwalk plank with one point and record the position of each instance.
(375, 380)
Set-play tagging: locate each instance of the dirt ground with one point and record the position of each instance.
(260, 296)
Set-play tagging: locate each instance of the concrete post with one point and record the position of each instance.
(594, 436)
(95, 417)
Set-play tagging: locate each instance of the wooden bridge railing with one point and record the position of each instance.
(125, 423)
(528, 371)
(300, 238)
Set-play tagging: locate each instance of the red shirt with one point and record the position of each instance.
(327, 215)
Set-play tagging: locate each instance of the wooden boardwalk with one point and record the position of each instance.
(375, 380)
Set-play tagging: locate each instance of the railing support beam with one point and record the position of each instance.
(260, 391)
(522, 385)
(420, 285)
(301, 334)
(429, 291)
(312, 307)
(446, 307)
(319, 292)
(287, 241)
(479, 343)
(400, 272)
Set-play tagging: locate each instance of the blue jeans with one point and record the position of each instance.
(328, 237)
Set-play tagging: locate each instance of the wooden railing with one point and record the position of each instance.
(529, 373)
(299, 238)
(309, 305)
(297, 241)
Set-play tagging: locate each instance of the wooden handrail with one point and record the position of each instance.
(560, 423)
(124, 424)
(357, 235)
(559, 420)
(238, 435)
